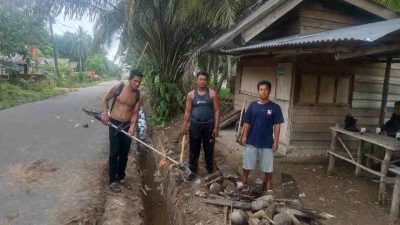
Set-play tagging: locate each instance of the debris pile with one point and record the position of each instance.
(252, 206)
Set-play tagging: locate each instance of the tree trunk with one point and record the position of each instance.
(54, 50)
(80, 63)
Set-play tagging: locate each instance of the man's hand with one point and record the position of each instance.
(131, 130)
(244, 140)
(184, 131)
(275, 146)
(215, 132)
(105, 119)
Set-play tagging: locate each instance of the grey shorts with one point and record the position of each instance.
(265, 156)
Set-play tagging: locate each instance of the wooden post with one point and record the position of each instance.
(360, 157)
(333, 149)
(385, 91)
(384, 169)
(394, 209)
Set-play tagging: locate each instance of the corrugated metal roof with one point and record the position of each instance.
(364, 33)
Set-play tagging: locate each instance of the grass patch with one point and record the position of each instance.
(12, 95)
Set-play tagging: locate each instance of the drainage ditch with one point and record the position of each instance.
(155, 206)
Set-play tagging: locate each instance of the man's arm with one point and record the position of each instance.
(134, 116)
(188, 113)
(245, 133)
(104, 104)
(277, 129)
(216, 112)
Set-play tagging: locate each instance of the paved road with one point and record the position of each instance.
(50, 166)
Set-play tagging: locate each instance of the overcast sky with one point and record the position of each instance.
(63, 25)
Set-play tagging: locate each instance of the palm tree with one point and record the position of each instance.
(81, 48)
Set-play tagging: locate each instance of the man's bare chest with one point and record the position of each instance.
(127, 98)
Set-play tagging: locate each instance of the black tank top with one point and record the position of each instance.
(202, 108)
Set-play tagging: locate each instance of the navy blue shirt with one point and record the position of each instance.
(262, 118)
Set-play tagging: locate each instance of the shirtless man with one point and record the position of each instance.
(123, 114)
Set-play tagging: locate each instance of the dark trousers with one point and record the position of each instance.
(119, 150)
(198, 134)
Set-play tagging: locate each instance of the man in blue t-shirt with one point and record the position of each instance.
(261, 134)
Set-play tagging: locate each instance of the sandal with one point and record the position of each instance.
(125, 184)
(115, 187)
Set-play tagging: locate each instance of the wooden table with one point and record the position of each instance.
(391, 146)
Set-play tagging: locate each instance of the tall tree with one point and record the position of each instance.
(82, 46)
(55, 56)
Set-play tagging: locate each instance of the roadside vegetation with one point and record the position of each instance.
(36, 64)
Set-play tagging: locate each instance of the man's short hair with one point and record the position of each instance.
(135, 73)
(202, 73)
(264, 82)
(397, 103)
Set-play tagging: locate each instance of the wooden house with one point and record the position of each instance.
(325, 58)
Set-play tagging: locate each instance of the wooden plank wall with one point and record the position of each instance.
(315, 16)
(310, 134)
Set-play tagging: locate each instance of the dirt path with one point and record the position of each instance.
(351, 200)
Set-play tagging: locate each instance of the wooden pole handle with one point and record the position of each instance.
(182, 148)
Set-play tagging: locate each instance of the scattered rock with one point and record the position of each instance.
(200, 194)
(92, 121)
(85, 125)
(239, 217)
(58, 117)
(255, 221)
(208, 221)
(321, 199)
(302, 195)
(215, 188)
(268, 198)
(282, 219)
(239, 184)
(227, 183)
(199, 223)
(270, 210)
(77, 125)
(230, 189)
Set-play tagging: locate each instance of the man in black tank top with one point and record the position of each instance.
(202, 110)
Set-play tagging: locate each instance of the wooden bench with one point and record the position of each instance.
(390, 145)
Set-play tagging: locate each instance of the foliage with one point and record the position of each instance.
(391, 4)
(46, 51)
(225, 94)
(20, 29)
(74, 45)
(172, 30)
(12, 95)
(96, 63)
